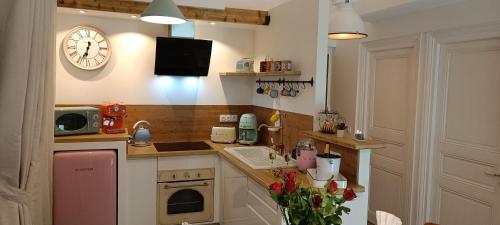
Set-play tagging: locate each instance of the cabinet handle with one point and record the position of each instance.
(492, 174)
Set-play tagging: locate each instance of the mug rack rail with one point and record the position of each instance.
(283, 81)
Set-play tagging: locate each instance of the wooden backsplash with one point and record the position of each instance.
(194, 122)
(293, 126)
(182, 122)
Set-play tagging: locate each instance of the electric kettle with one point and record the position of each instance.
(141, 136)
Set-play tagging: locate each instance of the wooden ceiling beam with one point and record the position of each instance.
(230, 15)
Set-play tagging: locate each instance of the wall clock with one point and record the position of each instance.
(87, 47)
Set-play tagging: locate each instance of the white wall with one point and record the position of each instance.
(346, 56)
(294, 37)
(128, 76)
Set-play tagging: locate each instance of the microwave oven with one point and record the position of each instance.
(76, 120)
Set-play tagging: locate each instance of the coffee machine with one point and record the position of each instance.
(113, 117)
(248, 129)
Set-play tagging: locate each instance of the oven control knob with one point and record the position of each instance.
(95, 117)
(173, 176)
(198, 175)
(95, 124)
(186, 175)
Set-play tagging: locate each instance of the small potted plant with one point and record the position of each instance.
(310, 206)
(341, 129)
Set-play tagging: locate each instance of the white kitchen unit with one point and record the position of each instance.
(141, 195)
(97, 142)
(244, 201)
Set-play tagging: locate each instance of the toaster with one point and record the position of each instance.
(223, 135)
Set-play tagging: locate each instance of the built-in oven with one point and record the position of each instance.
(185, 196)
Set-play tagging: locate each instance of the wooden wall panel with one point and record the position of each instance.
(179, 122)
(294, 124)
(194, 122)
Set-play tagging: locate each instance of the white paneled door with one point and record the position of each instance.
(389, 68)
(467, 144)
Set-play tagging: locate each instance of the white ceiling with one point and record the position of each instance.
(373, 10)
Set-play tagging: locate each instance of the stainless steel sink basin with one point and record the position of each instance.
(257, 157)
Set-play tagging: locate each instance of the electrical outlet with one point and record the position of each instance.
(228, 118)
(233, 118)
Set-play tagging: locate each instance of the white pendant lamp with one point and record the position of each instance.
(163, 12)
(345, 23)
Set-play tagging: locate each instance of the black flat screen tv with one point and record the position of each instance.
(182, 57)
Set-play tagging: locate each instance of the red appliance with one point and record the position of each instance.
(113, 117)
(85, 188)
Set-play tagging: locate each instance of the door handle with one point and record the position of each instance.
(492, 174)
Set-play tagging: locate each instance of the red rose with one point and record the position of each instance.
(317, 200)
(349, 194)
(290, 186)
(276, 187)
(291, 176)
(332, 187)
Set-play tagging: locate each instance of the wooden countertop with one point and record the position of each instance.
(99, 137)
(346, 141)
(263, 177)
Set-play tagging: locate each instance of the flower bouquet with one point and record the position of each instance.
(310, 206)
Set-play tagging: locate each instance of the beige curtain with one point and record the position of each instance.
(26, 110)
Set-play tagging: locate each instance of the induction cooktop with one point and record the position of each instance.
(182, 146)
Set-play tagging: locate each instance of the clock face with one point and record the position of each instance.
(87, 47)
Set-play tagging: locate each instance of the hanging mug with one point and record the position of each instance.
(260, 90)
(293, 92)
(273, 93)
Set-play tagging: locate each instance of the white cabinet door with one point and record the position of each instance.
(390, 76)
(234, 197)
(467, 145)
(263, 208)
(235, 209)
(141, 191)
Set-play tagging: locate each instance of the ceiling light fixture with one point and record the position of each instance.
(83, 11)
(212, 23)
(133, 16)
(345, 23)
(163, 12)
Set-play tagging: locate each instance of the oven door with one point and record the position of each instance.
(190, 201)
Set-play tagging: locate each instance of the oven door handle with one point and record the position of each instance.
(205, 184)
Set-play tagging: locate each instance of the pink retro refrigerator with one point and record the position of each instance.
(85, 188)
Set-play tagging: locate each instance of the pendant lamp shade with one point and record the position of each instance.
(345, 23)
(163, 12)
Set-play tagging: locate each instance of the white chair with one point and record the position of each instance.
(385, 218)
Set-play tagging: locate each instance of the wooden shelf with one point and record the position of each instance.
(346, 141)
(260, 74)
(99, 137)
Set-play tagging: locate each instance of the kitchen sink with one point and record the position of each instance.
(257, 157)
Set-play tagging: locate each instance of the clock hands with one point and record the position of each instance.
(80, 59)
(87, 51)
